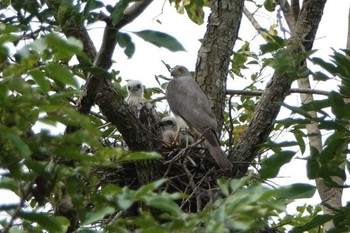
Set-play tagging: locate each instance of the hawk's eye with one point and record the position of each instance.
(181, 70)
(138, 86)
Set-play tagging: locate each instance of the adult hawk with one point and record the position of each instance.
(188, 103)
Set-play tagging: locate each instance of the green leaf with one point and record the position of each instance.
(162, 203)
(19, 144)
(298, 110)
(124, 41)
(339, 108)
(141, 156)
(320, 76)
(195, 11)
(100, 72)
(343, 64)
(8, 183)
(334, 147)
(126, 199)
(92, 5)
(275, 43)
(330, 170)
(61, 74)
(223, 184)
(316, 105)
(333, 125)
(40, 79)
(92, 217)
(239, 58)
(293, 121)
(296, 191)
(236, 184)
(117, 14)
(147, 188)
(46, 221)
(64, 48)
(313, 164)
(316, 222)
(299, 136)
(270, 5)
(326, 65)
(271, 166)
(160, 39)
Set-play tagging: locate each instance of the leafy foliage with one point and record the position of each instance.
(193, 8)
(64, 179)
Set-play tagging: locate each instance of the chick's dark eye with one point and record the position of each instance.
(129, 88)
(169, 122)
(138, 86)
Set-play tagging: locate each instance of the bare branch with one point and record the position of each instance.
(24, 195)
(288, 14)
(132, 12)
(254, 22)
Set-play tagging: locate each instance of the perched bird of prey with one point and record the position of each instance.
(135, 97)
(171, 132)
(189, 103)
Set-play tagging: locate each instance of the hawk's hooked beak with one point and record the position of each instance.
(172, 72)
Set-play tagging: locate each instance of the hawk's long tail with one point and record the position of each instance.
(213, 145)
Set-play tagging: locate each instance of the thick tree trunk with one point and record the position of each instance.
(215, 53)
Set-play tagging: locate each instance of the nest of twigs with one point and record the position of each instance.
(189, 170)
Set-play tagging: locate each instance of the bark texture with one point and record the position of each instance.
(268, 107)
(215, 52)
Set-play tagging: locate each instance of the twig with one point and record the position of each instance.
(259, 93)
(193, 186)
(23, 198)
(263, 32)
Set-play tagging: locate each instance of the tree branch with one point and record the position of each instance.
(259, 93)
(254, 22)
(292, 90)
(269, 106)
(295, 9)
(117, 111)
(133, 12)
(288, 14)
